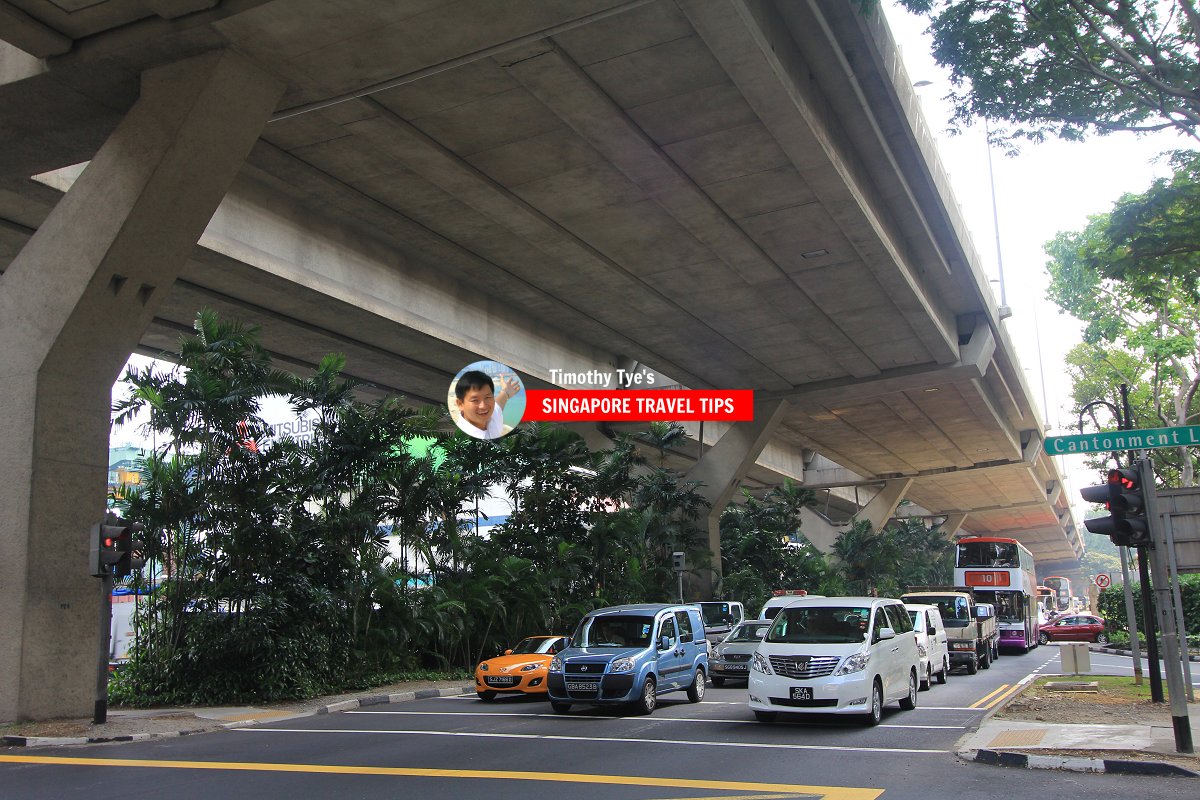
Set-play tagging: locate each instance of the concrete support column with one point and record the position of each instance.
(725, 463)
(73, 305)
(952, 524)
(884, 504)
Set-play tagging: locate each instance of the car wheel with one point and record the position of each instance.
(910, 702)
(560, 708)
(765, 716)
(1102, 638)
(875, 710)
(1043, 638)
(646, 703)
(945, 670)
(927, 681)
(695, 692)
(973, 665)
(487, 697)
(718, 682)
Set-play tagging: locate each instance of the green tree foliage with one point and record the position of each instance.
(1067, 68)
(1101, 557)
(276, 579)
(1132, 276)
(888, 561)
(762, 549)
(1112, 605)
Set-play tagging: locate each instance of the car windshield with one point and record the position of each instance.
(534, 644)
(748, 633)
(956, 611)
(615, 630)
(820, 625)
(717, 614)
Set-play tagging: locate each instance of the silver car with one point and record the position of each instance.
(731, 658)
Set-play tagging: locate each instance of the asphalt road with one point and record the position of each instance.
(463, 748)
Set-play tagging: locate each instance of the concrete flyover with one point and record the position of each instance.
(733, 193)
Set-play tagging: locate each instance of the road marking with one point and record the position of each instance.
(829, 792)
(619, 740)
(980, 703)
(658, 719)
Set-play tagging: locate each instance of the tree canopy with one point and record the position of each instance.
(1067, 68)
(1132, 276)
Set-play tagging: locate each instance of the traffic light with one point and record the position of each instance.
(116, 546)
(104, 553)
(130, 547)
(1123, 494)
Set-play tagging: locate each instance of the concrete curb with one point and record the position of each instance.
(1002, 758)
(331, 708)
(1005, 758)
(1117, 651)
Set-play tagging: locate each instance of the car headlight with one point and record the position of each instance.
(529, 667)
(853, 663)
(483, 667)
(922, 651)
(556, 664)
(622, 665)
(761, 665)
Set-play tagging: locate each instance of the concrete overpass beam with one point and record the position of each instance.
(722, 465)
(884, 504)
(73, 305)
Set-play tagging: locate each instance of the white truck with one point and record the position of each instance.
(973, 639)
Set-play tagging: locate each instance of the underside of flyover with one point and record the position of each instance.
(733, 194)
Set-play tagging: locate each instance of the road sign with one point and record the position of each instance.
(1108, 441)
(1103, 581)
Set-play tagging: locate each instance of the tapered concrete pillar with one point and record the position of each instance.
(73, 305)
(725, 463)
(884, 504)
(952, 524)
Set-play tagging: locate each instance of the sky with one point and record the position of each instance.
(1050, 187)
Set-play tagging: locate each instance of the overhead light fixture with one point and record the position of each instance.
(814, 253)
(933, 389)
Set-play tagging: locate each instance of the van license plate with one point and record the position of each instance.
(737, 667)
(802, 693)
(581, 687)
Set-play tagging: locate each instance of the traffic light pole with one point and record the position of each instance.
(100, 712)
(1156, 688)
(1125, 422)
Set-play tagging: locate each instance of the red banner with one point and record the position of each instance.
(616, 405)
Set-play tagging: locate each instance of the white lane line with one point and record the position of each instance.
(640, 719)
(621, 740)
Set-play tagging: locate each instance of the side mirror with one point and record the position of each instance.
(932, 631)
(664, 643)
(886, 633)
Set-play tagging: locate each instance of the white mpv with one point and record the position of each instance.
(836, 655)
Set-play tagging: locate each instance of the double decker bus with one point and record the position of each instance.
(1001, 572)
(1062, 592)
(1047, 602)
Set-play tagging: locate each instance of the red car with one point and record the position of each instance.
(1074, 628)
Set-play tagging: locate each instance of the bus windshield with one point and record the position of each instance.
(987, 554)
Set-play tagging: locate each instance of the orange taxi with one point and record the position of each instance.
(521, 670)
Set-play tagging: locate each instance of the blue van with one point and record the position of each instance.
(629, 655)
